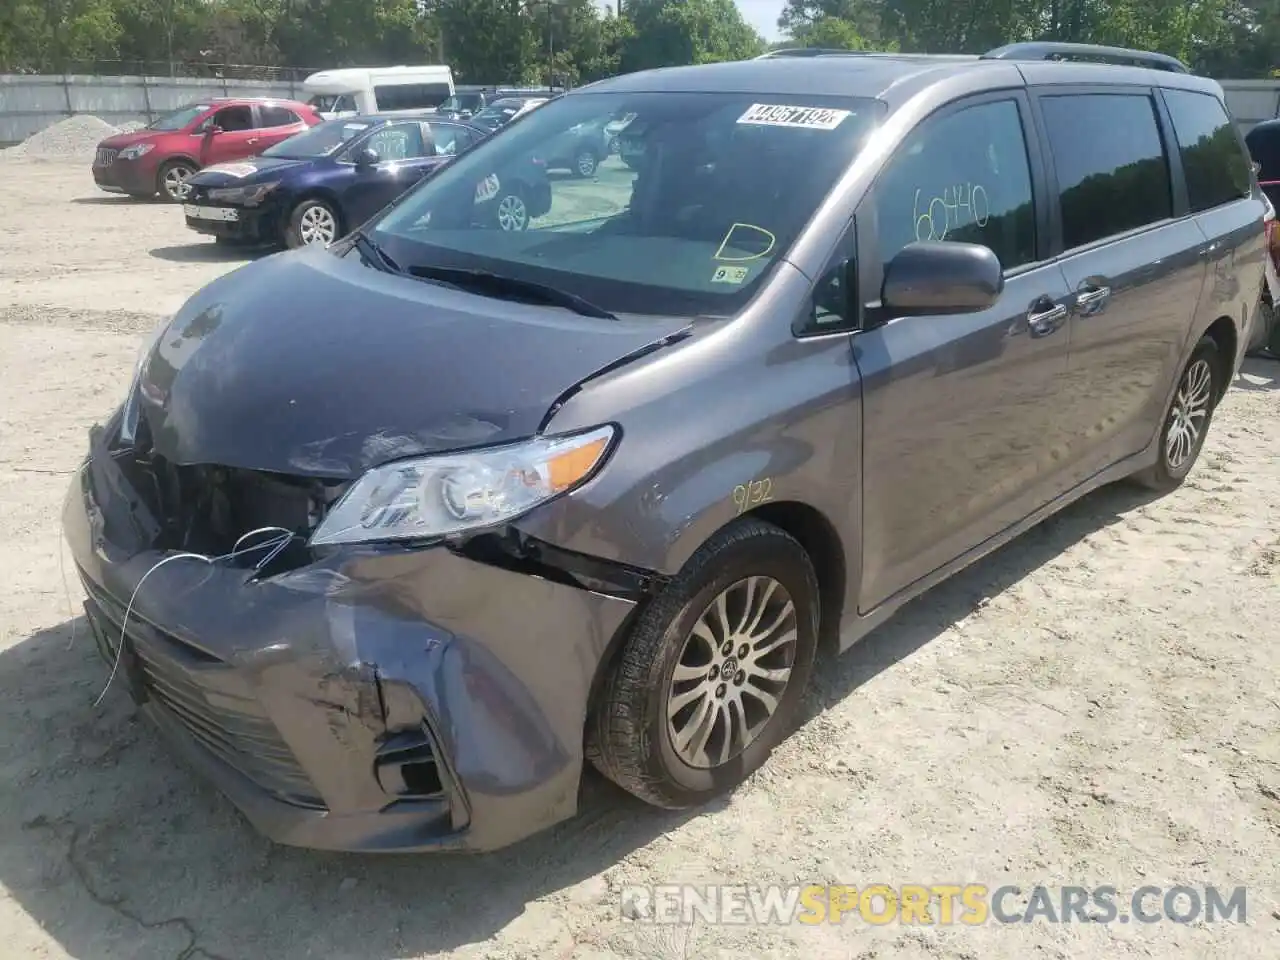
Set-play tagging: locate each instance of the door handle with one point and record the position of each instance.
(1093, 295)
(1042, 322)
(252, 140)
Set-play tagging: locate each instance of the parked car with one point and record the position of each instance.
(161, 156)
(613, 129)
(468, 101)
(314, 187)
(1263, 141)
(501, 112)
(471, 507)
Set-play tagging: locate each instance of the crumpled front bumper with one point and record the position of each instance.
(375, 700)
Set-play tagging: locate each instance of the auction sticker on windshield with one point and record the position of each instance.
(806, 118)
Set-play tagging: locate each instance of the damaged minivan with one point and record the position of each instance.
(392, 537)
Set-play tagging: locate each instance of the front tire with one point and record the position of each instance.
(585, 162)
(1186, 421)
(713, 672)
(172, 179)
(312, 222)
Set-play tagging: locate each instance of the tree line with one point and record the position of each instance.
(576, 41)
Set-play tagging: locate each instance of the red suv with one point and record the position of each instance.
(160, 157)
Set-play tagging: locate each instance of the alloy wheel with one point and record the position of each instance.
(732, 672)
(512, 213)
(175, 181)
(586, 163)
(317, 225)
(1189, 414)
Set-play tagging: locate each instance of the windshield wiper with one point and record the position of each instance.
(497, 285)
(374, 255)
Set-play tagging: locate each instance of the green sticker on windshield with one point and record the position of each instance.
(734, 275)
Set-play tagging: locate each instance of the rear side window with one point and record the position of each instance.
(963, 176)
(1216, 169)
(273, 116)
(1113, 175)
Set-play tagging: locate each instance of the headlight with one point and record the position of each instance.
(440, 495)
(129, 415)
(135, 151)
(248, 195)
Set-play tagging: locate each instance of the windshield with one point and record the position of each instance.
(320, 141)
(707, 192)
(178, 119)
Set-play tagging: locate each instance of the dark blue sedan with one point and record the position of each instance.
(317, 186)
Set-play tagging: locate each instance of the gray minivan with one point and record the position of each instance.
(390, 536)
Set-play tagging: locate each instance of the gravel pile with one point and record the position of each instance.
(71, 139)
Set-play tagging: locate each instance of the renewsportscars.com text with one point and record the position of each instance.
(928, 904)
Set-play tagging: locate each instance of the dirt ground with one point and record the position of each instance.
(1097, 703)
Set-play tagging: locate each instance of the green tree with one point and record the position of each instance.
(489, 41)
(676, 32)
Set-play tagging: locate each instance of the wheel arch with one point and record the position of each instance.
(1226, 337)
(318, 193)
(815, 533)
(170, 161)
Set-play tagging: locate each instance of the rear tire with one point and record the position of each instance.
(701, 692)
(511, 211)
(1187, 418)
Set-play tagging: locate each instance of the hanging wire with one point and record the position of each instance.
(273, 546)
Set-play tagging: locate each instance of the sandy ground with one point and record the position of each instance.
(1095, 704)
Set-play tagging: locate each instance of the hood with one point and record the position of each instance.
(312, 364)
(118, 141)
(238, 172)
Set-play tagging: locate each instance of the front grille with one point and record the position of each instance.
(105, 157)
(210, 700)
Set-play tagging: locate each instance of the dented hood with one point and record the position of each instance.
(312, 364)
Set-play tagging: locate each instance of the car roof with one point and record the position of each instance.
(262, 101)
(373, 119)
(889, 77)
(1265, 127)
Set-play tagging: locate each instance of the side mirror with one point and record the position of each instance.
(213, 128)
(366, 157)
(941, 278)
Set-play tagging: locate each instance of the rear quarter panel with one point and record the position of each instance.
(1236, 241)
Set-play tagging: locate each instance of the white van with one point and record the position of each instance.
(342, 93)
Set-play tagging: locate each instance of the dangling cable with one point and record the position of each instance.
(274, 546)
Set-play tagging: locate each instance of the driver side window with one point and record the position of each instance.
(400, 141)
(231, 119)
(963, 176)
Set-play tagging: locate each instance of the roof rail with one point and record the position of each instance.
(1046, 50)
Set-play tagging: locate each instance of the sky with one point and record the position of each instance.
(763, 15)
